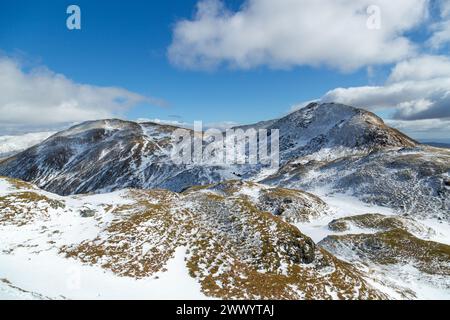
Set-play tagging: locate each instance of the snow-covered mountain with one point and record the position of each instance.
(353, 199)
(107, 155)
(347, 150)
(332, 146)
(336, 128)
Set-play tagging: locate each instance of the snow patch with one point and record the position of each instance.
(48, 274)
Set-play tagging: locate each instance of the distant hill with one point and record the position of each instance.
(438, 144)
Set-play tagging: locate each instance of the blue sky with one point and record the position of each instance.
(125, 44)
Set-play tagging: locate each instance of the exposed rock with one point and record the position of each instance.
(393, 247)
(379, 222)
(87, 213)
(394, 258)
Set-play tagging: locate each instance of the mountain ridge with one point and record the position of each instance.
(211, 220)
(322, 145)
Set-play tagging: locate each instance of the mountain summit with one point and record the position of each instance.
(334, 126)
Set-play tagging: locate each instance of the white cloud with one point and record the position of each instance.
(441, 29)
(221, 125)
(426, 130)
(286, 33)
(42, 98)
(421, 125)
(441, 35)
(421, 68)
(417, 89)
(445, 8)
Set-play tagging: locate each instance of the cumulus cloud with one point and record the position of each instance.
(421, 68)
(441, 28)
(40, 97)
(425, 125)
(286, 33)
(428, 129)
(418, 88)
(441, 35)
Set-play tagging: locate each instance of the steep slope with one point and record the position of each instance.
(334, 129)
(228, 247)
(107, 155)
(413, 181)
(347, 150)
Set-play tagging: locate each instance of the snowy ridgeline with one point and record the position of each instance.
(330, 146)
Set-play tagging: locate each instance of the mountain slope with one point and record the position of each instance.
(106, 155)
(413, 181)
(228, 247)
(337, 128)
(329, 146)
